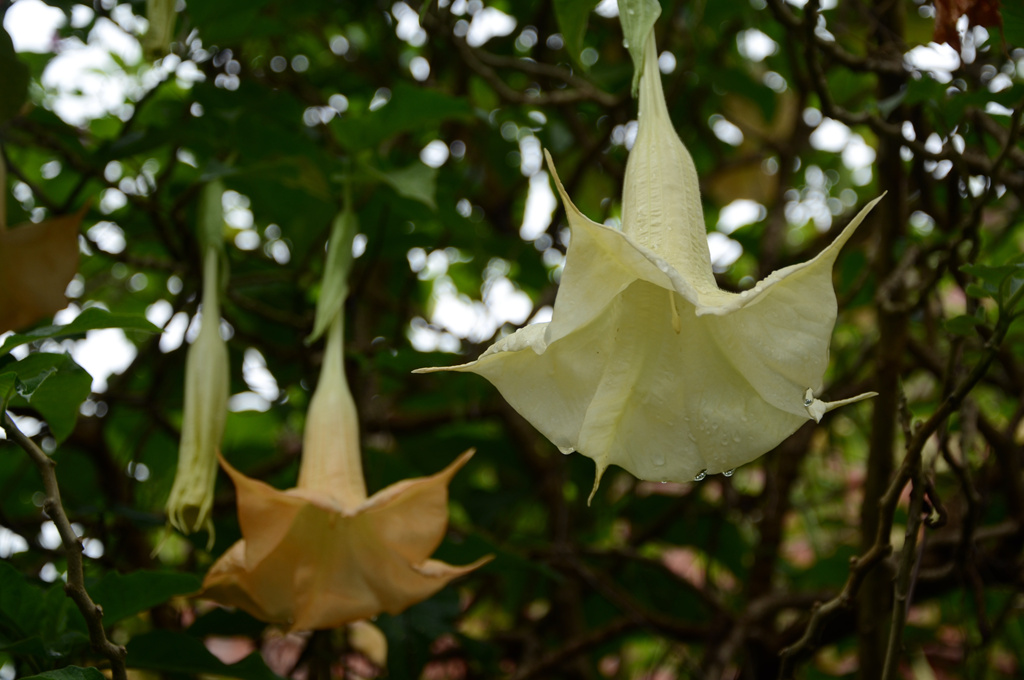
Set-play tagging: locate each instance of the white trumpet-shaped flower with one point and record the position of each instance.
(647, 363)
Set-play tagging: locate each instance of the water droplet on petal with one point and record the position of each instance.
(658, 458)
(728, 473)
(807, 402)
(625, 43)
(566, 450)
(700, 475)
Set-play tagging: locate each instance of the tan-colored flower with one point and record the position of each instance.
(323, 554)
(37, 261)
(647, 363)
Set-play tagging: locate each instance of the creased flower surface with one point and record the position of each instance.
(646, 363)
(36, 263)
(323, 554)
(207, 384)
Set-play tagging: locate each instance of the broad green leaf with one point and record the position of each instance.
(13, 79)
(572, 22)
(1013, 23)
(21, 605)
(91, 319)
(978, 291)
(7, 384)
(637, 17)
(999, 282)
(37, 622)
(410, 108)
(55, 386)
(173, 652)
(992, 275)
(122, 595)
(417, 182)
(231, 20)
(69, 673)
(411, 633)
(963, 325)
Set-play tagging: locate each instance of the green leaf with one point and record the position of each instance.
(13, 79)
(231, 20)
(55, 386)
(999, 281)
(411, 633)
(1013, 23)
(91, 319)
(339, 260)
(637, 17)
(31, 379)
(963, 325)
(69, 673)
(123, 595)
(572, 22)
(975, 290)
(174, 652)
(40, 623)
(21, 605)
(7, 383)
(227, 622)
(410, 108)
(417, 182)
(991, 276)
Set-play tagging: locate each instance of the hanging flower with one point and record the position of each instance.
(37, 261)
(324, 554)
(647, 363)
(206, 387)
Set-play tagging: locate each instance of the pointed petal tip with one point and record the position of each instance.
(448, 472)
(599, 473)
(817, 408)
(458, 368)
(443, 570)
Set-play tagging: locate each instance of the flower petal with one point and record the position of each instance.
(308, 564)
(36, 263)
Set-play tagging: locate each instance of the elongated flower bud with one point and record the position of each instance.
(331, 460)
(205, 408)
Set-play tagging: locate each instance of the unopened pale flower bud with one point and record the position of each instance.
(205, 412)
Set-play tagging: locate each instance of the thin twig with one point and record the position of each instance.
(75, 586)
(860, 566)
(909, 558)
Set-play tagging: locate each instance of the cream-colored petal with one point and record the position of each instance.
(368, 640)
(646, 363)
(661, 208)
(411, 516)
(207, 384)
(307, 563)
(628, 372)
(36, 263)
(227, 583)
(817, 408)
(331, 459)
(265, 514)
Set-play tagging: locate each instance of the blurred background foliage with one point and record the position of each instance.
(795, 113)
